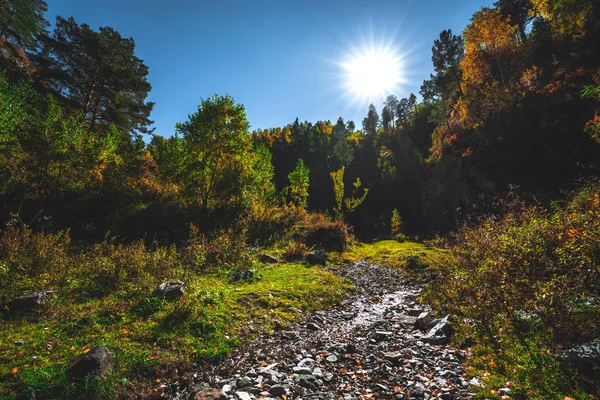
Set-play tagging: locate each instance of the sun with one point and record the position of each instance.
(372, 71)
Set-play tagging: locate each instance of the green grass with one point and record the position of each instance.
(152, 338)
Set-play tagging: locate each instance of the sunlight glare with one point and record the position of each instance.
(372, 73)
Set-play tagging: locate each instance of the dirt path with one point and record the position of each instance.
(366, 348)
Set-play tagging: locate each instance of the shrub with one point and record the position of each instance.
(330, 236)
(534, 264)
(32, 261)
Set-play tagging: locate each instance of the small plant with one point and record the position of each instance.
(397, 226)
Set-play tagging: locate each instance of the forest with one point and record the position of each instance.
(490, 172)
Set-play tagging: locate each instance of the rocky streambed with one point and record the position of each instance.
(379, 344)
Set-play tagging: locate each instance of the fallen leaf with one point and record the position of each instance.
(14, 371)
(85, 351)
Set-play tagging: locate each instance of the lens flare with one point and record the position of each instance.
(373, 73)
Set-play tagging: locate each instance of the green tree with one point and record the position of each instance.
(346, 205)
(218, 161)
(391, 104)
(371, 121)
(21, 21)
(99, 74)
(297, 191)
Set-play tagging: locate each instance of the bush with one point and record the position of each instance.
(535, 265)
(268, 225)
(31, 261)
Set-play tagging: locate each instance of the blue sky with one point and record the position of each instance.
(281, 59)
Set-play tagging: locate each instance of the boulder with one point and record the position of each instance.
(268, 259)
(171, 290)
(440, 333)
(423, 320)
(584, 358)
(242, 276)
(30, 302)
(95, 363)
(317, 257)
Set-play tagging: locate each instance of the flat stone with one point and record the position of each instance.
(97, 362)
(30, 302)
(171, 290)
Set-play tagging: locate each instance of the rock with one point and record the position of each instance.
(584, 358)
(290, 335)
(332, 358)
(267, 368)
(302, 370)
(414, 312)
(382, 335)
(244, 382)
(30, 302)
(306, 363)
(242, 275)
(277, 390)
(440, 333)
(312, 326)
(226, 389)
(26, 394)
(243, 395)
(208, 394)
(268, 259)
(395, 357)
(317, 257)
(423, 320)
(96, 363)
(171, 290)
(19, 342)
(414, 262)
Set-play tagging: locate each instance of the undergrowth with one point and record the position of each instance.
(526, 287)
(103, 297)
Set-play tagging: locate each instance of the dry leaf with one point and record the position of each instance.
(85, 351)
(14, 371)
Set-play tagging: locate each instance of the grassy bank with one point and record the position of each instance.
(151, 338)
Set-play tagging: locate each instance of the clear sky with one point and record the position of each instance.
(280, 58)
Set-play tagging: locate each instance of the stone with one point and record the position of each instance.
(306, 363)
(268, 259)
(395, 357)
(244, 382)
(290, 335)
(171, 290)
(302, 370)
(30, 302)
(423, 320)
(584, 358)
(414, 262)
(208, 394)
(312, 326)
(243, 395)
(19, 342)
(414, 312)
(277, 390)
(317, 257)
(332, 358)
(382, 335)
(26, 394)
(95, 363)
(440, 333)
(242, 275)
